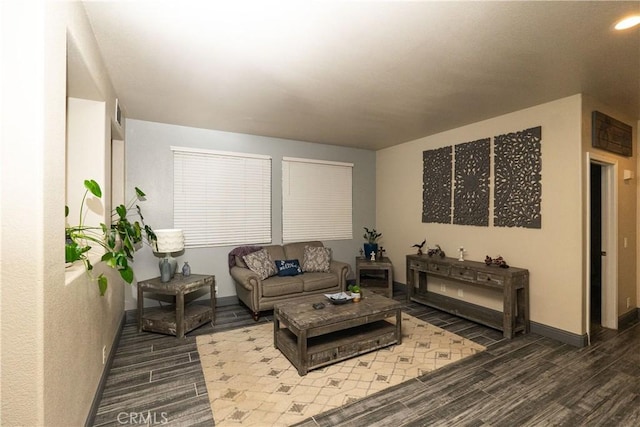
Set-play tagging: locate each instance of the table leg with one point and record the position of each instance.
(213, 296)
(276, 326)
(302, 353)
(180, 315)
(523, 307)
(140, 308)
(509, 311)
(411, 286)
(399, 326)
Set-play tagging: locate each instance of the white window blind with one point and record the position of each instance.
(221, 198)
(316, 200)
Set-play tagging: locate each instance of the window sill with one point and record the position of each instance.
(76, 270)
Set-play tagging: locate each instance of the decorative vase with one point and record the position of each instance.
(173, 265)
(186, 269)
(356, 296)
(165, 270)
(368, 248)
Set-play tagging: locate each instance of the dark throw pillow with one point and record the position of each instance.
(288, 267)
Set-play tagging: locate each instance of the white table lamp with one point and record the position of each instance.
(169, 241)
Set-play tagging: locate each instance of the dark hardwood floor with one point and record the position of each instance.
(527, 381)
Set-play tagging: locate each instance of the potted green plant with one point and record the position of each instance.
(355, 291)
(119, 241)
(371, 236)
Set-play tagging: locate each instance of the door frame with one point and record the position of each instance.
(609, 242)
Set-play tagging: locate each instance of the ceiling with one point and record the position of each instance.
(360, 74)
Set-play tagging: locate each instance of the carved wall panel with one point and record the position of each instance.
(436, 185)
(472, 177)
(518, 179)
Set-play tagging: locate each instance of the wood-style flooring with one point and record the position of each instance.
(527, 381)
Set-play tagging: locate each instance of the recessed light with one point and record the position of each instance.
(628, 22)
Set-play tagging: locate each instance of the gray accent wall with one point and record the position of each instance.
(149, 166)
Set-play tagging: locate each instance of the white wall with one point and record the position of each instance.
(150, 166)
(553, 254)
(53, 322)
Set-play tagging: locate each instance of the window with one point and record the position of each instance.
(221, 198)
(316, 200)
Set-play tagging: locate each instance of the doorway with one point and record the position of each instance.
(602, 287)
(595, 249)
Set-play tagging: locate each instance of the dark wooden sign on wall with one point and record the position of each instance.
(610, 134)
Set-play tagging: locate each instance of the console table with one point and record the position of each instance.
(177, 319)
(511, 283)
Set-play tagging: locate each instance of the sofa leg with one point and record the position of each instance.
(256, 315)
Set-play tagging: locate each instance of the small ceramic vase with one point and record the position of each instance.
(186, 269)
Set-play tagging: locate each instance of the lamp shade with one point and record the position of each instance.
(169, 240)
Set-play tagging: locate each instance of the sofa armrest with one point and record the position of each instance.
(342, 270)
(245, 277)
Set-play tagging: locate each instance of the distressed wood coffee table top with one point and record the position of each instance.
(301, 315)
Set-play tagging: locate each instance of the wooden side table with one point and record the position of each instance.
(383, 285)
(177, 319)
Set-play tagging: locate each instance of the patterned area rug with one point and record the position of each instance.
(250, 383)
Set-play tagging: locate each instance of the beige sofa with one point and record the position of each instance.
(261, 295)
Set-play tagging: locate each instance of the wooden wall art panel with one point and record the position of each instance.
(518, 179)
(436, 185)
(471, 185)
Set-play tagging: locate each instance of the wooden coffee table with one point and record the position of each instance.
(311, 338)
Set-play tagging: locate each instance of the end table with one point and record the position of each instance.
(382, 285)
(177, 319)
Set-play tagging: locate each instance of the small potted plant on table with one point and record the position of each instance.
(355, 291)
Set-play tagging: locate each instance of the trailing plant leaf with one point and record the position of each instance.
(102, 284)
(122, 211)
(93, 187)
(127, 274)
(109, 259)
(73, 252)
(139, 193)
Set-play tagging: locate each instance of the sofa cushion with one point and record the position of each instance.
(277, 286)
(260, 262)
(317, 281)
(288, 267)
(316, 259)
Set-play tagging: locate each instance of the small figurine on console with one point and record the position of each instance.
(436, 251)
(500, 262)
(373, 256)
(419, 246)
